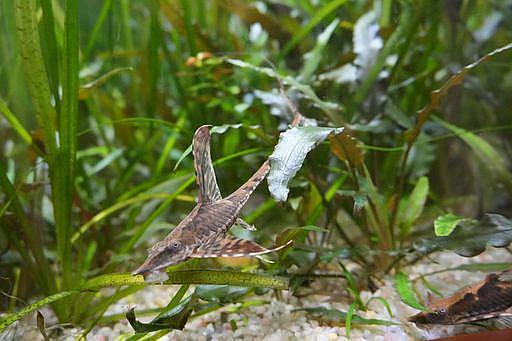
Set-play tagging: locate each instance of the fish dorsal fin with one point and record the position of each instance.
(233, 247)
(205, 174)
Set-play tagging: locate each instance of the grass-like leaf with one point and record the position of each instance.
(404, 288)
(14, 122)
(339, 316)
(178, 277)
(317, 18)
(488, 155)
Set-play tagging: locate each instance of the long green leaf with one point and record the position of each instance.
(64, 169)
(178, 277)
(487, 154)
(33, 66)
(11, 318)
(13, 121)
(320, 14)
(341, 316)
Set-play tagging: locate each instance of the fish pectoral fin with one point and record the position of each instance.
(245, 225)
(233, 247)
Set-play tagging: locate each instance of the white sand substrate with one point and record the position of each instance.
(277, 320)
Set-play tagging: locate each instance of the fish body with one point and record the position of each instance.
(487, 299)
(203, 231)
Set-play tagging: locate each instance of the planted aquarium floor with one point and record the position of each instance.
(278, 320)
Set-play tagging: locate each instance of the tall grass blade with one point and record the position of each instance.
(65, 168)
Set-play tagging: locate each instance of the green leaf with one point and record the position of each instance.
(348, 318)
(414, 205)
(174, 318)
(472, 236)
(292, 233)
(289, 154)
(404, 289)
(13, 121)
(63, 178)
(445, 224)
(315, 20)
(226, 278)
(335, 315)
(7, 320)
(217, 277)
(220, 293)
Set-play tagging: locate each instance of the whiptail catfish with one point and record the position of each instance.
(203, 231)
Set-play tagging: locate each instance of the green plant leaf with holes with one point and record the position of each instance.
(445, 224)
(471, 237)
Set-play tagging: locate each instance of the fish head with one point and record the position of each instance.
(163, 254)
(439, 316)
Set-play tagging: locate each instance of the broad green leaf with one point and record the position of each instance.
(472, 237)
(335, 315)
(289, 154)
(174, 318)
(445, 224)
(404, 289)
(414, 205)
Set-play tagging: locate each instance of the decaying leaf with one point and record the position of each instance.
(470, 238)
(347, 148)
(289, 154)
